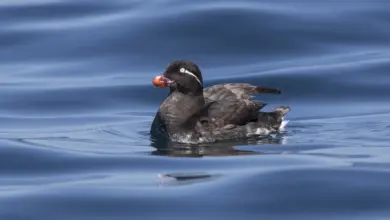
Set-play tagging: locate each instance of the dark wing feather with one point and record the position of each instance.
(229, 105)
(233, 104)
(231, 111)
(237, 90)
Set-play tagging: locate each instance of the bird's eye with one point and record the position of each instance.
(182, 70)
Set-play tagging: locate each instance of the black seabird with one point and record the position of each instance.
(193, 114)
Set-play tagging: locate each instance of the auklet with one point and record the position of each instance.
(193, 114)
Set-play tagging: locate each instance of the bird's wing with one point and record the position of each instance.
(229, 111)
(237, 90)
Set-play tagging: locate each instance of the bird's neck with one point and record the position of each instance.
(196, 91)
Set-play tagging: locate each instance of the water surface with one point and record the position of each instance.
(76, 104)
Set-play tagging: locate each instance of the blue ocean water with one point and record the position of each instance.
(76, 105)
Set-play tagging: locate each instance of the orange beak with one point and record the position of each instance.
(161, 81)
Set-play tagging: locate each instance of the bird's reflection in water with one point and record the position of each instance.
(165, 147)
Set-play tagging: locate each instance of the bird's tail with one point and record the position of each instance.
(281, 111)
